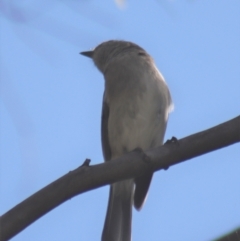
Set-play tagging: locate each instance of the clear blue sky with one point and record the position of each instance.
(51, 107)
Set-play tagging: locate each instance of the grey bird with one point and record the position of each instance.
(135, 109)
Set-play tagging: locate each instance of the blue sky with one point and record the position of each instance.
(51, 108)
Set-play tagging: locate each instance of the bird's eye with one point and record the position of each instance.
(141, 53)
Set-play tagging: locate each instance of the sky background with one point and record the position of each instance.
(51, 109)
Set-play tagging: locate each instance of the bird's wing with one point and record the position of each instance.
(104, 130)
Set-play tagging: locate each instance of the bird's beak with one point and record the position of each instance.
(88, 54)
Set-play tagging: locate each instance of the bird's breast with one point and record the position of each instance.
(137, 115)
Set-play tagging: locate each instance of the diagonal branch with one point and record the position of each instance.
(232, 236)
(136, 163)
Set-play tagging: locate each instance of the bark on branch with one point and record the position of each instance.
(232, 236)
(136, 163)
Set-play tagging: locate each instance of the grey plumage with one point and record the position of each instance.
(136, 105)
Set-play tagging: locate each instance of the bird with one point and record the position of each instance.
(135, 110)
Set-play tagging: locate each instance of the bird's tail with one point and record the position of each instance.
(118, 220)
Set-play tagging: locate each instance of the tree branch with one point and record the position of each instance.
(133, 164)
(232, 236)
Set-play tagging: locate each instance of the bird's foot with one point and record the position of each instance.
(145, 157)
(173, 140)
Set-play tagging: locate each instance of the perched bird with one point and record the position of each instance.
(135, 109)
